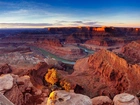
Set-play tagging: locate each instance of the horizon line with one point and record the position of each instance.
(67, 27)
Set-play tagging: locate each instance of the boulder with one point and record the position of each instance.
(6, 82)
(102, 100)
(62, 97)
(24, 93)
(125, 99)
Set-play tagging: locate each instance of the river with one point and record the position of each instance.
(46, 53)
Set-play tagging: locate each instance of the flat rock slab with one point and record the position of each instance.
(4, 100)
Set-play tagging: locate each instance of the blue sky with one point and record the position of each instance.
(59, 13)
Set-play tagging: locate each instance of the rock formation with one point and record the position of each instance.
(102, 100)
(23, 92)
(4, 69)
(131, 52)
(102, 74)
(6, 82)
(125, 99)
(52, 42)
(105, 41)
(72, 39)
(68, 98)
(106, 74)
(37, 74)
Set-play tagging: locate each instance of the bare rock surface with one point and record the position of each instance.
(37, 74)
(6, 82)
(105, 73)
(131, 52)
(15, 95)
(4, 100)
(83, 62)
(102, 100)
(4, 69)
(61, 97)
(125, 99)
(24, 92)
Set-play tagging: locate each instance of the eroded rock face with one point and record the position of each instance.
(125, 99)
(53, 42)
(105, 41)
(68, 98)
(132, 52)
(15, 95)
(37, 74)
(83, 62)
(4, 69)
(72, 39)
(106, 74)
(6, 82)
(102, 100)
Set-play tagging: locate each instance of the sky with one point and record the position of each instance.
(69, 13)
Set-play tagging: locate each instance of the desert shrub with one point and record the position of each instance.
(55, 80)
(51, 77)
(65, 85)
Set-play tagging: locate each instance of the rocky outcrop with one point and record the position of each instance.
(52, 42)
(79, 62)
(131, 52)
(72, 39)
(106, 74)
(125, 99)
(102, 100)
(24, 92)
(97, 41)
(15, 95)
(4, 69)
(17, 58)
(14, 48)
(6, 82)
(68, 98)
(105, 41)
(37, 74)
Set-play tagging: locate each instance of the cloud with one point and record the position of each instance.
(90, 23)
(25, 25)
(80, 23)
(77, 21)
(42, 25)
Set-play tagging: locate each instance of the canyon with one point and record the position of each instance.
(100, 63)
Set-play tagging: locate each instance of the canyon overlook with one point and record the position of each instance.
(100, 63)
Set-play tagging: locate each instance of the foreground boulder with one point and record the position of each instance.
(102, 100)
(6, 82)
(23, 92)
(61, 97)
(105, 73)
(125, 99)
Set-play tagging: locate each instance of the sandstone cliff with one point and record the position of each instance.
(104, 73)
(131, 52)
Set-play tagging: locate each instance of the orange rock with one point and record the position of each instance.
(105, 73)
(131, 52)
(99, 29)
